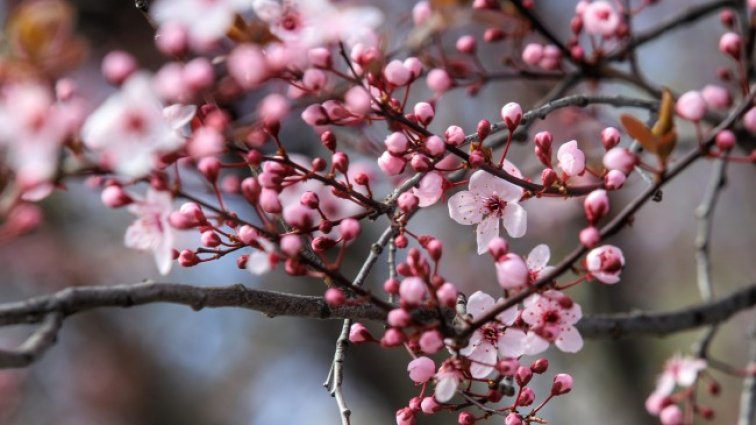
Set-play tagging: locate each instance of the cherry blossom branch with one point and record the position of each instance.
(689, 16)
(618, 222)
(34, 346)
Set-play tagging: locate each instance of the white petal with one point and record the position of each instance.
(515, 220)
(569, 340)
(512, 343)
(538, 257)
(179, 115)
(484, 184)
(478, 304)
(164, 253)
(509, 315)
(465, 208)
(483, 358)
(534, 344)
(512, 169)
(446, 387)
(487, 230)
(258, 263)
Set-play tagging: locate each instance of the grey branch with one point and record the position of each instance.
(53, 309)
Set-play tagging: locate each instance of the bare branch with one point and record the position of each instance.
(34, 346)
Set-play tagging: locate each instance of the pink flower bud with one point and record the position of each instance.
(465, 418)
(552, 56)
(334, 297)
(435, 248)
(396, 73)
(246, 234)
(511, 113)
(447, 294)
(492, 35)
(405, 416)
(562, 384)
(421, 369)
(511, 271)
(671, 415)
(600, 18)
(431, 341)
(117, 66)
(114, 196)
(412, 290)
(291, 245)
(725, 140)
(691, 106)
(198, 74)
(523, 375)
(320, 57)
(455, 135)
(596, 205)
(731, 44)
(466, 44)
(414, 65)
(548, 177)
(250, 188)
(298, 216)
(424, 112)
(247, 65)
(358, 100)
(206, 141)
(349, 229)
(614, 179)
(429, 405)
(526, 398)
(439, 81)
(391, 286)
(407, 202)
(749, 120)
(540, 366)
(605, 263)
(314, 79)
(716, 97)
(435, 145)
(172, 39)
(315, 115)
(210, 239)
(483, 129)
(590, 237)
(359, 333)
(621, 159)
(571, 159)
(269, 201)
(340, 162)
(498, 248)
(610, 137)
(398, 318)
(209, 167)
(396, 143)
(532, 54)
(421, 12)
(508, 367)
(513, 419)
(392, 338)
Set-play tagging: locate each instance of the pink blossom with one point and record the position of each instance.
(359, 333)
(262, 260)
(151, 231)
(511, 271)
(590, 236)
(455, 135)
(489, 200)
(439, 81)
(421, 369)
(130, 130)
(571, 159)
(596, 205)
(424, 112)
(691, 106)
(490, 341)
(532, 54)
(601, 19)
(431, 341)
(671, 415)
(562, 384)
(466, 44)
(247, 65)
(448, 378)
(552, 316)
(412, 290)
(204, 21)
(421, 12)
(679, 371)
(117, 66)
(511, 113)
(405, 416)
(390, 164)
(716, 97)
(430, 189)
(537, 262)
(614, 179)
(610, 137)
(358, 100)
(605, 263)
(32, 129)
(731, 44)
(396, 74)
(621, 159)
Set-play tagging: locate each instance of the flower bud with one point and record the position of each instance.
(562, 384)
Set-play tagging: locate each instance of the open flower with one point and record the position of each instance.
(448, 378)
(151, 231)
(130, 128)
(678, 371)
(552, 316)
(204, 21)
(489, 200)
(537, 261)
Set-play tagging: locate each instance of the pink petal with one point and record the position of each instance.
(569, 340)
(478, 304)
(509, 315)
(538, 257)
(429, 190)
(465, 208)
(572, 315)
(487, 230)
(485, 184)
(512, 169)
(258, 263)
(534, 344)
(512, 343)
(446, 387)
(483, 358)
(515, 220)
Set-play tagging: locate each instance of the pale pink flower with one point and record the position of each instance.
(448, 378)
(605, 263)
(204, 21)
(421, 369)
(430, 189)
(489, 200)
(532, 54)
(552, 316)
(130, 129)
(691, 106)
(600, 18)
(262, 261)
(537, 261)
(511, 270)
(571, 159)
(679, 371)
(151, 231)
(491, 341)
(32, 129)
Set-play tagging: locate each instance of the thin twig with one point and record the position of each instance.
(34, 346)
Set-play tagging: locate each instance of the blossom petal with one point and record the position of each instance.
(258, 263)
(487, 230)
(509, 315)
(446, 387)
(538, 257)
(512, 169)
(484, 184)
(512, 343)
(515, 220)
(465, 208)
(478, 304)
(534, 344)
(569, 340)
(483, 359)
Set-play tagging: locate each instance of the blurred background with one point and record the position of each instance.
(166, 365)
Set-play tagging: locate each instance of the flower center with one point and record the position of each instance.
(494, 205)
(551, 316)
